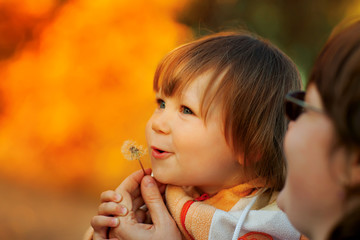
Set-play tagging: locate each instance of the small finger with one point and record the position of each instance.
(100, 223)
(110, 196)
(98, 236)
(111, 208)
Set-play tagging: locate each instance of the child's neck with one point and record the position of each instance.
(212, 190)
(208, 190)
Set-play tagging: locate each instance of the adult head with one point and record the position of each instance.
(322, 145)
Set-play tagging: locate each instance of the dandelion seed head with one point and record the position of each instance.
(132, 151)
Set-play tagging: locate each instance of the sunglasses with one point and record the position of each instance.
(295, 105)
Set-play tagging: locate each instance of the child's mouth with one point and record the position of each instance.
(159, 154)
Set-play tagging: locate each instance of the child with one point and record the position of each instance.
(217, 134)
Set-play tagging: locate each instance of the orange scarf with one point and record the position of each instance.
(193, 213)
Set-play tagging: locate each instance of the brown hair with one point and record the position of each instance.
(336, 74)
(254, 78)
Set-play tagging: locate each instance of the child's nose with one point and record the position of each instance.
(161, 123)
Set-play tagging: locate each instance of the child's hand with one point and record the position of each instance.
(132, 198)
(163, 227)
(108, 208)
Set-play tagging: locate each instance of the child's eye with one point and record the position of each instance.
(186, 110)
(160, 103)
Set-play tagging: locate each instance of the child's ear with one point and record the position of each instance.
(240, 157)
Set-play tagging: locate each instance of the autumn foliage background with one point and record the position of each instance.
(76, 82)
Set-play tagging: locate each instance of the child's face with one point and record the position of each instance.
(184, 150)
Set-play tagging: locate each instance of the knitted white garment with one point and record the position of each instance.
(234, 224)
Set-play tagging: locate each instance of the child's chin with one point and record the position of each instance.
(163, 178)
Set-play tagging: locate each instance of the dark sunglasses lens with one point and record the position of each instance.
(293, 110)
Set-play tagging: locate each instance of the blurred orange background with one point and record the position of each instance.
(76, 82)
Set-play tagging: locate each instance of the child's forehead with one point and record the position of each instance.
(196, 86)
(193, 91)
(202, 90)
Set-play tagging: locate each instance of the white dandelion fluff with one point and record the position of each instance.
(132, 151)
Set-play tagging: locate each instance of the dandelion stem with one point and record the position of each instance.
(141, 166)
